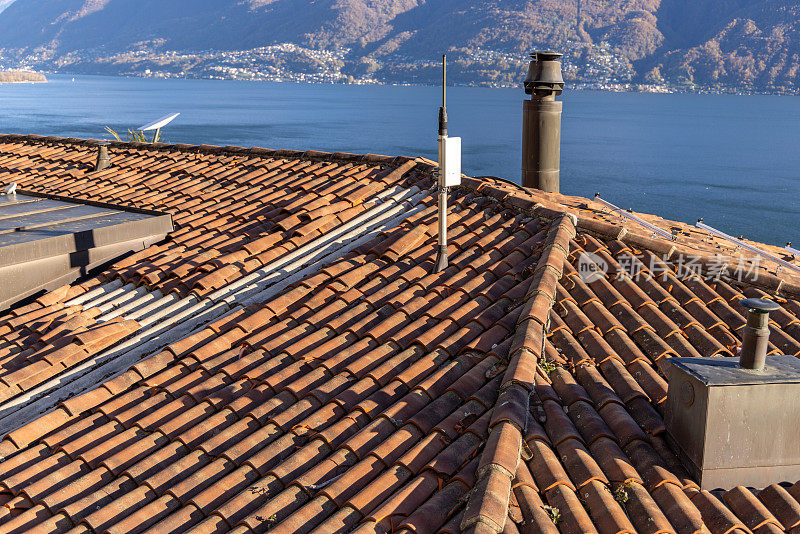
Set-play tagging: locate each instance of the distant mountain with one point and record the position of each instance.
(734, 43)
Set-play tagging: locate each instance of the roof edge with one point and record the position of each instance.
(768, 282)
(229, 150)
(520, 200)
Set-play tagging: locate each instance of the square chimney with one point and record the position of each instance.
(735, 426)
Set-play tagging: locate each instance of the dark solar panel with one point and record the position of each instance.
(47, 240)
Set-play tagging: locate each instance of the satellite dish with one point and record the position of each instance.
(157, 125)
(160, 123)
(10, 189)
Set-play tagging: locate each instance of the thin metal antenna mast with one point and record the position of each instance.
(443, 109)
(441, 256)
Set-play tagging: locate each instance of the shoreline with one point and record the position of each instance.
(608, 87)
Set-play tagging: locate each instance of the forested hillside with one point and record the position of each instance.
(733, 43)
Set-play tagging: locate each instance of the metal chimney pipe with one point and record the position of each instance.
(103, 161)
(755, 335)
(541, 127)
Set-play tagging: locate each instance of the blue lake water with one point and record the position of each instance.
(733, 160)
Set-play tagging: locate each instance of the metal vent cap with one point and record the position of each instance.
(544, 74)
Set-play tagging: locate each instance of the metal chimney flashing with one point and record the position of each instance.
(49, 240)
(726, 371)
(734, 426)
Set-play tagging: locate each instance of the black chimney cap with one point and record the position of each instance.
(544, 74)
(546, 55)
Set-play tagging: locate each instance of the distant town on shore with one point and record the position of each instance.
(701, 46)
(22, 76)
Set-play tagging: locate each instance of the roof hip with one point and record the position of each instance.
(509, 421)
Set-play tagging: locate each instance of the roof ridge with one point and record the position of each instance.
(497, 469)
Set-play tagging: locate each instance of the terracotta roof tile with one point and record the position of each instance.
(504, 394)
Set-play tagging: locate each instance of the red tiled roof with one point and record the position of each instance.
(503, 394)
(235, 210)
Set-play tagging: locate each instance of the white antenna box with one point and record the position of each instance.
(450, 162)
